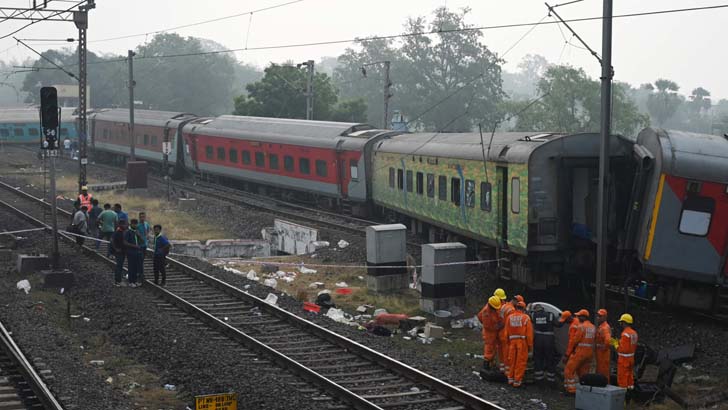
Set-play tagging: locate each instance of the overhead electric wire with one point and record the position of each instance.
(251, 12)
(43, 19)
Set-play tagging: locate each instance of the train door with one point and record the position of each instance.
(502, 181)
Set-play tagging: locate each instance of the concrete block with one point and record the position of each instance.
(32, 263)
(186, 204)
(292, 238)
(386, 243)
(109, 186)
(600, 398)
(430, 305)
(222, 248)
(434, 331)
(440, 283)
(387, 283)
(6, 254)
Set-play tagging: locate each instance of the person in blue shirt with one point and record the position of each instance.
(161, 250)
(122, 216)
(144, 230)
(133, 245)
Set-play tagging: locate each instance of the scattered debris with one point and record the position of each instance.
(24, 285)
(311, 307)
(305, 270)
(324, 300)
(434, 331)
(361, 309)
(109, 380)
(252, 276)
(457, 324)
(341, 285)
(271, 299)
(343, 244)
(473, 323)
(316, 285)
(378, 312)
(233, 270)
(336, 315)
(344, 291)
(391, 319)
(271, 283)
(97, 362)
(86, 319)
(360, 277)
(170, 387)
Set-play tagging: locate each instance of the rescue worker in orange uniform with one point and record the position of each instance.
(626, 347)
(604, 337)
(580, 351)
(568, 319)
(505, 310)
(85, 198)
(519, 330)
(490, 320)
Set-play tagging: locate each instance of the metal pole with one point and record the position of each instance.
(387, 95)
(80, 18)
(309, 90)
(132, 156)
(603, 208)
(55, 255)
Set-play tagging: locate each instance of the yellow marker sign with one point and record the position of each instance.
(225, 401)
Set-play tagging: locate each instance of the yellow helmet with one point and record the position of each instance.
(626, 318)
(500, 293)
(84, 188)
(494, 302)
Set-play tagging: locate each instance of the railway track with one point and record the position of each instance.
(21, 387)
(349, 374)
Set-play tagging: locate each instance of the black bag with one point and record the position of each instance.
(594, 380)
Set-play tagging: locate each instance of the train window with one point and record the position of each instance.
(442, 187)
(273, 161)
(221, 153)
(409, 181)
(321, 168)
(259, 159)
(420, 183)
(288, 163)
(455, 191)
(106, 133)
(208, 152)
(4, 133)
(354, 169)
(431, 185)
(485, 196)
(400, 179)
(146, 139)
(19, 132)
(154, 140)
(33, 132)
(246, 157)
(391, 177)
(515, 195)
(470, 193)
(64, 132)
(696, 215)
(233, 154)
(304, 165)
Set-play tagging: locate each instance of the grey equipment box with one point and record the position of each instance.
(386, 243)
(600, 398)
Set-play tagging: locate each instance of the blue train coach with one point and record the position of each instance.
(22, 125)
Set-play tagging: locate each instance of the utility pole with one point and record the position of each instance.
(132, 138)
(309, 87)
(603, 208)
(387, 94)
(80, 18)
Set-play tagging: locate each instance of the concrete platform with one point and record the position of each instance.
(186, 204)
(430, 305)
(387, 283)
(109, 186)
(32, 263)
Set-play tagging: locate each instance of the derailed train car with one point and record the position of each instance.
(22, 125)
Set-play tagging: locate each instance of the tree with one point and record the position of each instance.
(448, 81)
(572, 103)
(665, 102)
(281, 93)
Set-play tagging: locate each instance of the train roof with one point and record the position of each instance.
(281, 130)
(31, 114)
(142, 117)
(689, 155)
(504, 146)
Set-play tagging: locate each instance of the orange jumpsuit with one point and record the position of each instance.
(490, 319)
(519, 331)
(580, 353)
(625, 358)
(506, 309)
(604, 335)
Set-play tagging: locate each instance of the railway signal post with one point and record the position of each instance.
(80, 18)
(50, 124)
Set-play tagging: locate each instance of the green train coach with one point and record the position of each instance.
(528, 200)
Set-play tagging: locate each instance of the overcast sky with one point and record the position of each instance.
(685, 47)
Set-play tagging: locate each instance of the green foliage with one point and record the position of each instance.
(665, 102)
(453, 69)
(572, 103)
(350, 111)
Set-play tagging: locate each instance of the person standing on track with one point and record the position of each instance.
(107, 223)
(118, 245)
(520, 337)
(133, 245)
(506, 309)
(544, 350)
(144, 230)
(121, 215)
(85, 198)
(93, 218)
(580, 352)
(161, 250)
(626, 348)
(489, 318)
(604, 336)
(80, 225)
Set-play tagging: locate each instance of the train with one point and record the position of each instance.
(526, 199)
(22, 125)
